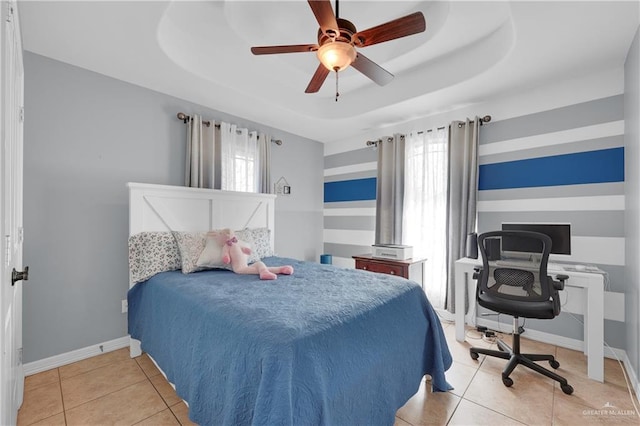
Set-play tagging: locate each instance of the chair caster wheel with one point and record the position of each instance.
(474, 355)
(568, 389)
(508, 382)
(554, 364)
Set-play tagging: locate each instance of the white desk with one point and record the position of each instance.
(592, 308)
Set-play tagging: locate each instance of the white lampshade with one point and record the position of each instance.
(336, 54)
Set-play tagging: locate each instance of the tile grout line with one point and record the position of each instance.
(62, 400)
(491, 409)
(89, 370)
(165, 403)
(465, 391)
(454, 410)
(158, 392)
(176, 417)
(106, 394)
(64, 410)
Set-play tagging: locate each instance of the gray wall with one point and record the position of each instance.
(85, 136)
(632, 199)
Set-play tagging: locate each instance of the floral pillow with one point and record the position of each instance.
(191, 245)
(261, 241)
(151, 253)
(246, 238)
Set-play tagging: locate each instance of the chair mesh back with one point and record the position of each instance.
(516, 278)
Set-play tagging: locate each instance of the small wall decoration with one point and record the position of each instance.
(282, 187)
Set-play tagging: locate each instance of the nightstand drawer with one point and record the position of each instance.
(380, 268)
(412, 269)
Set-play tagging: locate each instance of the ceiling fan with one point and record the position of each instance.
(338, 40)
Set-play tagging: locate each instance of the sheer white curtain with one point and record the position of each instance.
(425, 207)
(238, 158)
(200, 157)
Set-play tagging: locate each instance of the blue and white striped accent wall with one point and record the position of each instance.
(350, 203)
(564, 165)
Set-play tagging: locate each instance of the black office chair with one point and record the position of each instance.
(515, 291)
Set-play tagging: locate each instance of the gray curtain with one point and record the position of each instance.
(264, 164)
(200, 157)
(204, 153)
(462, 195)
(390, 190)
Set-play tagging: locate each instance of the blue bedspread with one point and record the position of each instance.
(324, 346)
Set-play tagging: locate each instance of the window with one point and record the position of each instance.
(239, 159)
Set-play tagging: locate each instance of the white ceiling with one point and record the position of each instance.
(199, 51)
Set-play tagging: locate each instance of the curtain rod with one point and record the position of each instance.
(184, 117)
(485, 119)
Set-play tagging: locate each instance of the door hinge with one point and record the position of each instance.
(20, 356)
(7, 250)
(22, 114)
(20, 235)
(9, 12)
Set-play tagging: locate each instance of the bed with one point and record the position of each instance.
(323, 346)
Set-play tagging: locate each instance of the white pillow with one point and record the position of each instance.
(211, 256)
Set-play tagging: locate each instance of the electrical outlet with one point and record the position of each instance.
(125, 306)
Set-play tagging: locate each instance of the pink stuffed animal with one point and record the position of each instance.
(235, 252)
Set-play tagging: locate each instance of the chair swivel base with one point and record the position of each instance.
(516, 358)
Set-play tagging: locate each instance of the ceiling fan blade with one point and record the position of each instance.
(293, 48)
(318, 78)
(401, 27)
(372, 70)
(324, 14)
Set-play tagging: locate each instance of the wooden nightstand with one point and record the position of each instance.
(411, 269)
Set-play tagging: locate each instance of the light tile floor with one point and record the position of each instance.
(115, 389)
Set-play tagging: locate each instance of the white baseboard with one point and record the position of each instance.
(74, 356)
(631, 373)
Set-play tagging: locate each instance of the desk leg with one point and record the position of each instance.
(594, 330)
(460, 290)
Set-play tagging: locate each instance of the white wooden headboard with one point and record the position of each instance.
(178, 208)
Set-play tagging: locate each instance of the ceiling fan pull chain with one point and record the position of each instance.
(337, 94)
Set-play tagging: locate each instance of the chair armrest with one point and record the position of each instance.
(559, 285)
(476, 272)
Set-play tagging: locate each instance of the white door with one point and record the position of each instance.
(11, 116)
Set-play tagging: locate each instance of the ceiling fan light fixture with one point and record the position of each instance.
(336, 55)
(337, 42)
